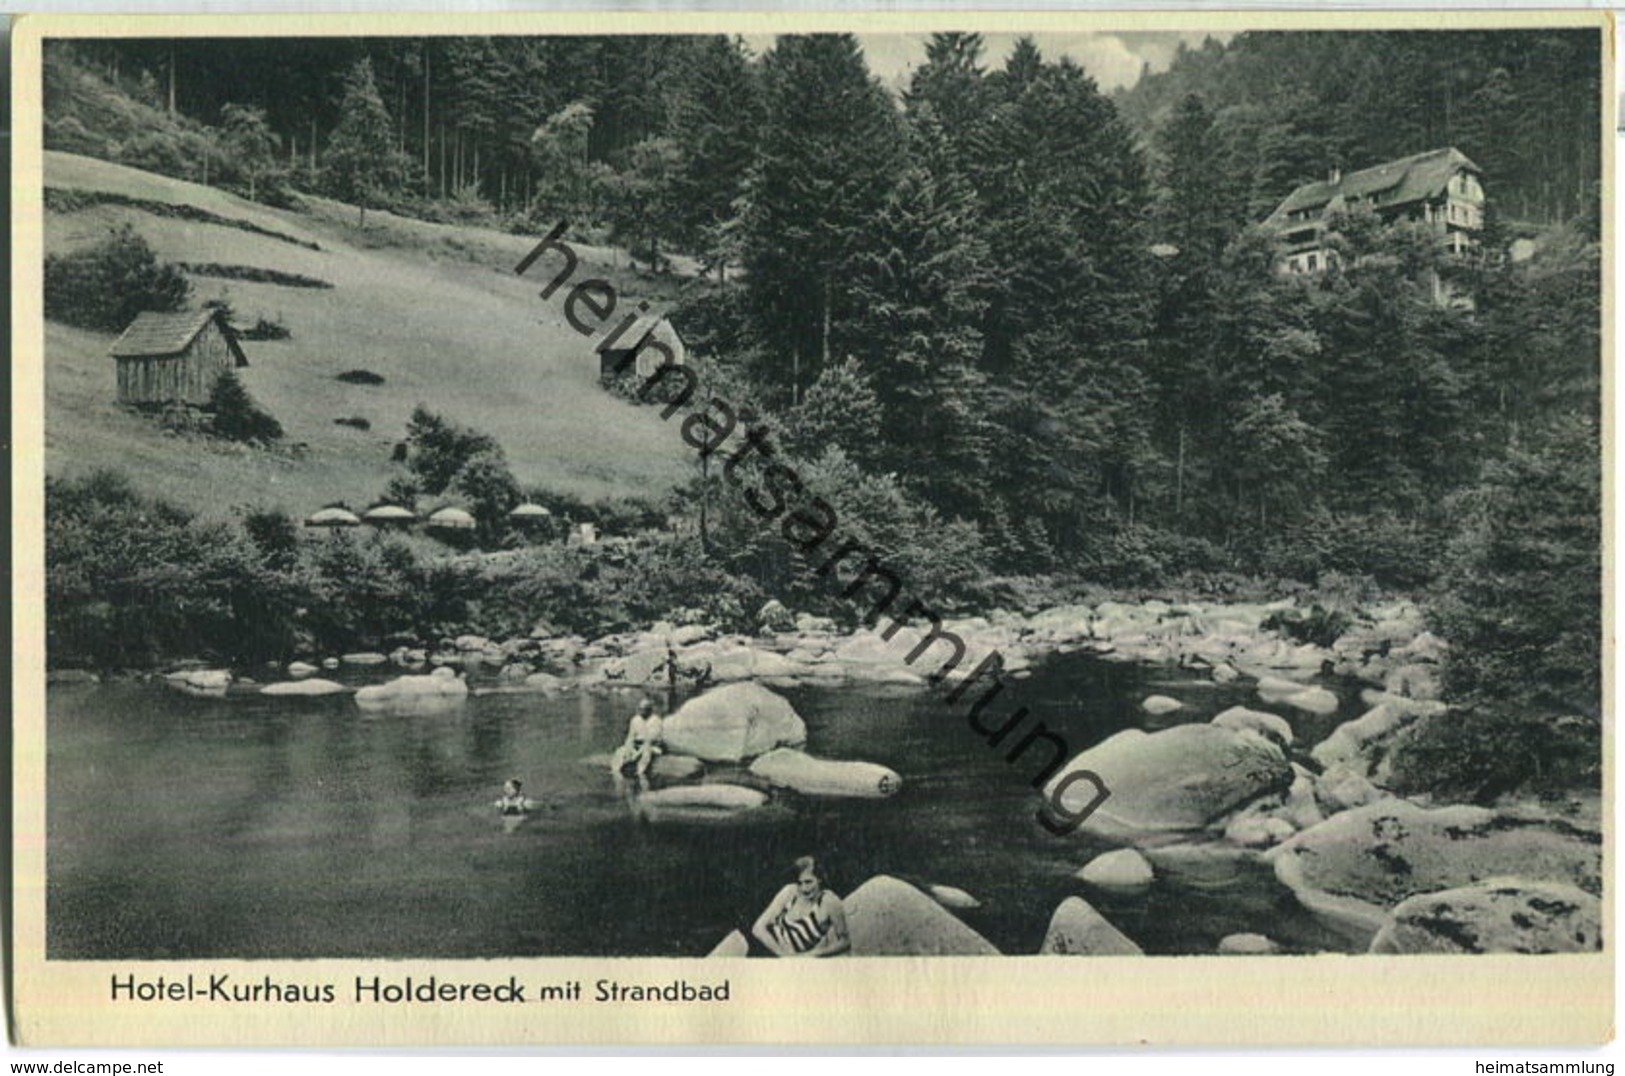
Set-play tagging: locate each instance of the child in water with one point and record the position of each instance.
(513, 801)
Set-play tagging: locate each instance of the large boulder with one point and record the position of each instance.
(1076, 929)
(1355, 866)
(732, 946)
(734, 723)
(1178, 780)
(443, 687)
(1503, 915)
(887, 917)
(789, 768)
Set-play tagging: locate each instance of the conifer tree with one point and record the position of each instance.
(827, 157)
(714, 112)
(920, 292)
(363, 162)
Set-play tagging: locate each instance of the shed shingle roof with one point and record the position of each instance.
(152, 334)
(1409, 179)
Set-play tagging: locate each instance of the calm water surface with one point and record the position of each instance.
(183, 827)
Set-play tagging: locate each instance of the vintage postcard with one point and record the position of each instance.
(937, 528)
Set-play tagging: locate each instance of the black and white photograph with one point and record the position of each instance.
(833, 495)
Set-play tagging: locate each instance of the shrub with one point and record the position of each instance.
(131, 580)
(264, 329)
(359, 377)
(611, 587)
(236, 416)
(105, 286)
(1479, 755)
(438, 449)
(1317, 625)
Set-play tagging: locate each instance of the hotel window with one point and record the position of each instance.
(1313, 263)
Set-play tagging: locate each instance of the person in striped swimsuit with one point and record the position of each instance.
(804, 919)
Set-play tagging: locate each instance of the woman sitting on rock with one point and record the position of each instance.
(644, 734)
(804, 919)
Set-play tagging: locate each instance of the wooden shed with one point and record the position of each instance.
(651, 340)
(174, 358)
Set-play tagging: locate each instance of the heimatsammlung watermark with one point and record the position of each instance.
(810, 524)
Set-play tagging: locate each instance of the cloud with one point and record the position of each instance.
(1114, 60)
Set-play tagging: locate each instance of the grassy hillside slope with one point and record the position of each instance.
(435, 310)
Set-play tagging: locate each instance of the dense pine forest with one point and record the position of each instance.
(1028, 336)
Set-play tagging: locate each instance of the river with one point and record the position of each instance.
(255, 827)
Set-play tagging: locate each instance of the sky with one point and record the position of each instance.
(1113, 59)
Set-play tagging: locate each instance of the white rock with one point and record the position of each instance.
(1157, 705)
(1247, 945)
(888, 917)
(1342, 789)
(790, 768)
(734, 723)
(1270, 725)
(1123, 869)
(734, 945)
(1076, 929)
(1317, 700)
(313, 687)
(1258, 831)
(952, 897)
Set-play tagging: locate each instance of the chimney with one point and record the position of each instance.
(1335, 176)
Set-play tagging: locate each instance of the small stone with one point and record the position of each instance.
(1157, 705)
(1258, 831)
(1247, 945)
(1316, 700)
(953, 898)
(1123, 869)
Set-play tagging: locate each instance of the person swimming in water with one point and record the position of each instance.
(804, 918)
(513, 801)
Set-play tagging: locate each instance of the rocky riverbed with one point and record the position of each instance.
(1198, 801)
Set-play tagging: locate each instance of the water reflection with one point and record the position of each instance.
(258, 827)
